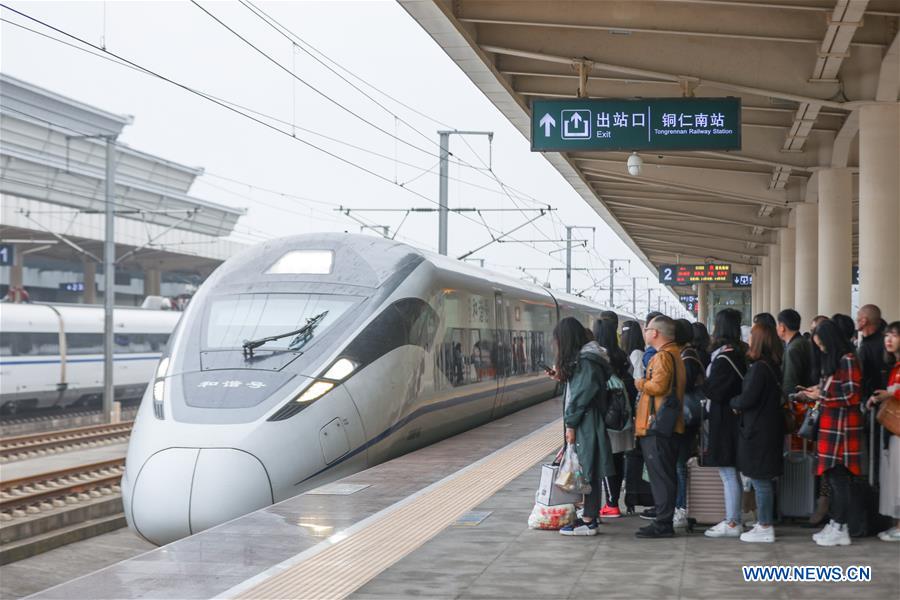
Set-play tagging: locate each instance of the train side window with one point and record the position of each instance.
(22, 345)
(157, 341)
(45, 344)
(6, 343)
(408, 321)
(17, 343)
(84, 343)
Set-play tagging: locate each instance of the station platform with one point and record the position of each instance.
(449, 521)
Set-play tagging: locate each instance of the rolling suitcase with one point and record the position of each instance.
(637, 491)
(797, 486)
(705, 494)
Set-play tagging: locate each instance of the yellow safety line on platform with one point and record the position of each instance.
(341, 569)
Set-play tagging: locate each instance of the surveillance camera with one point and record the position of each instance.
(635, 163)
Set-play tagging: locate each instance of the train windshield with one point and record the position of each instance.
(240, 317)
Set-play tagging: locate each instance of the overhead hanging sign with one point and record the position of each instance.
(643, 124)
(741, 279)
(688, 274)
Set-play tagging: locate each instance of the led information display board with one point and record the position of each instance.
(741, 279)
(645, 124)
(687, 274)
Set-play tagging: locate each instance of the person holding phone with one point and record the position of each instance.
(580, 366)
(838, 442)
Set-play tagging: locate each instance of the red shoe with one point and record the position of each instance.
(610, 512)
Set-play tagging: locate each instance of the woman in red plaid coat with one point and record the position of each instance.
(840, 427)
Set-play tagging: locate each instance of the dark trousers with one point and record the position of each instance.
(839, 480)
(686, 444)
(592, 500)
(613, 484)
(660, 455)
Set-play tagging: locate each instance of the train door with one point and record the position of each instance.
(502, 350)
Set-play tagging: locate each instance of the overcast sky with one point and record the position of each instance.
(376, 41)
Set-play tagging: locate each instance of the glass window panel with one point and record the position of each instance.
(234, 319)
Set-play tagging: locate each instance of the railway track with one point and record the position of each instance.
(56, 489)
(39, 444)
(50, 420)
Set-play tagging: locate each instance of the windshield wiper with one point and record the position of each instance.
(300, 335)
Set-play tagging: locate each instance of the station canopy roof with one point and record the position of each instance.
(800, 68)
(52, 149)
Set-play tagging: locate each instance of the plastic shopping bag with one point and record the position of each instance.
(551, 517)
(571, 478)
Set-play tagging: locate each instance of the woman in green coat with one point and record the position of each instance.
(581, 364)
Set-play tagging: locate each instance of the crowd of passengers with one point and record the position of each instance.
(753, 388)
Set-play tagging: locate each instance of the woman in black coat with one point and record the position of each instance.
(724, 378)
(760, 426)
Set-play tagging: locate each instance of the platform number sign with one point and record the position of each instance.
(6, 254)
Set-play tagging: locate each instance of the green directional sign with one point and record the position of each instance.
(640, 124)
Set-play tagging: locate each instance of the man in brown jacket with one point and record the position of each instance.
(660, 451)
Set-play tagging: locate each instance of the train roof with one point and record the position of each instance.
(84, 317)
(369, 261)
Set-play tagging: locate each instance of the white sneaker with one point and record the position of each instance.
(838, 535)
(891, 535)
(759, 534)
(723, 529)
(825, 530)
(680, 520)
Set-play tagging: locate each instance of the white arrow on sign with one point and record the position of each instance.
(576, 119)
(547, 122)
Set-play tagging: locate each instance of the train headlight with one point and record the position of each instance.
(159, 390)
(340, 369)
(163, 368)
(316, 390)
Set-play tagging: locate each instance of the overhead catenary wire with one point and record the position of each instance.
(309, 85)
(225, 104)
(234, 110)
(301, 43)
(230, 105)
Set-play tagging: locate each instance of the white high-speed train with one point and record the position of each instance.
(308, 358)
(51, 355)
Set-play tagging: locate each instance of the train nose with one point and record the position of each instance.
(180, 491)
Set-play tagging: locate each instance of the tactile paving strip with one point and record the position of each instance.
(344, 567)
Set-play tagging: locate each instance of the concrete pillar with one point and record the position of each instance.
(90, 282)
(152, 282)
(15, 270)
(835, 240)
(754, 291)
(879, 208)
(787, 245)
(764, 280)
(703, 303)
(806, 286)
(774, 278)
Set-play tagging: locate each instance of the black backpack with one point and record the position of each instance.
(614, 405)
